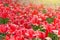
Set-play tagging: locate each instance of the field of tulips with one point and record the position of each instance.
(31, 22)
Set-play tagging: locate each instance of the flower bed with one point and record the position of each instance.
(32, 22)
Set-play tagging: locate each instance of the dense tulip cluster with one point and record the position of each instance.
(32, 22)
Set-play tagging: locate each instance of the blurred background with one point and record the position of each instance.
(47, 3)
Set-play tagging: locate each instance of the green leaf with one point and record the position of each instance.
(38, 28)
(53, 36)
(6, 4)
(43, 11)
(41, 29)
(3, 20)
(49, 20)
(36, 39)
(35, 27)
(6, 20)
(2, 35)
